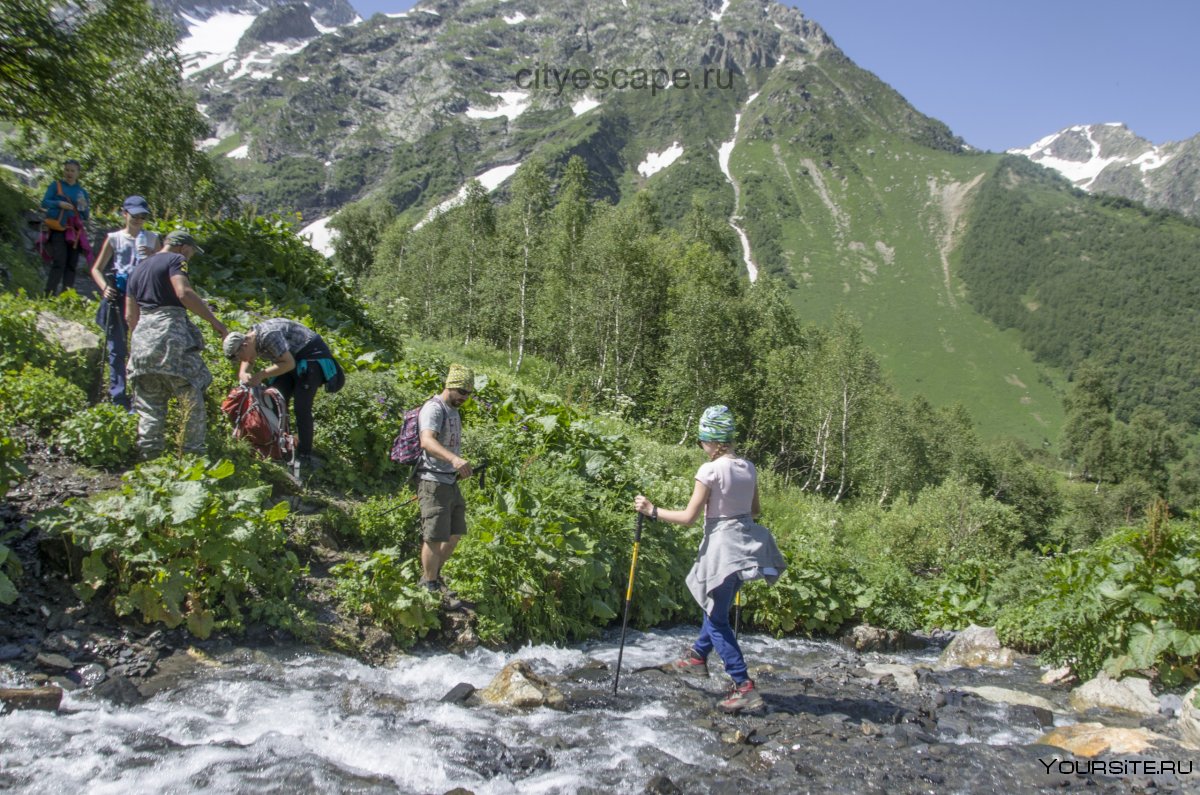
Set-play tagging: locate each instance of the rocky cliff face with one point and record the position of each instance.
(327, 13)
(1110, 159)
(410, 106)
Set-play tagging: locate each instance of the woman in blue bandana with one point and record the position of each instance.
(735, 549)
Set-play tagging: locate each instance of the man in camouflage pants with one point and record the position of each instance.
(165, 345)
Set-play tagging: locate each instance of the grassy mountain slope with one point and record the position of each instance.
(862, 206)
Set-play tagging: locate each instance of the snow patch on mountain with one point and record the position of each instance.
(490, 179)
(319, 236)
(657, 161)
(210, 41)
(512, 105)
(584, 105)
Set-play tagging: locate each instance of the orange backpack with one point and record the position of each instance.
(57, 224)
(259, 415)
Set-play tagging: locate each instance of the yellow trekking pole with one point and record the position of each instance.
(637, 540)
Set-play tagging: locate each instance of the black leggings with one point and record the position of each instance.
(300, 391)
(64, 257)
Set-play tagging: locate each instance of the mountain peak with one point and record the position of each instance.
(1111, 159)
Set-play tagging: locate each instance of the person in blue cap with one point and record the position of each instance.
(119, 254)
(735, 549)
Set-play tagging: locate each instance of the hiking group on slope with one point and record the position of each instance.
(146, 293)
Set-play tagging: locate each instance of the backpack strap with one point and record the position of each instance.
(416, 470)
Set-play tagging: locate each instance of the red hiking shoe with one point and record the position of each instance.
(689, 663)
(743, 698)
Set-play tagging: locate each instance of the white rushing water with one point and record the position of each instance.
(325, 723)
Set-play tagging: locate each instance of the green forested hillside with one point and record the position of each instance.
(1089, 280)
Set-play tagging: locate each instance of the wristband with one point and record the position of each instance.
(654, 514)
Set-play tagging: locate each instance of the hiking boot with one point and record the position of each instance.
(742, 697)
(450, 599)
(689, 663)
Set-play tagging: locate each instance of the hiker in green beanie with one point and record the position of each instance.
(735, 549)
(440, 467)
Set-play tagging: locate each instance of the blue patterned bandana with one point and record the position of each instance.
(716, 424)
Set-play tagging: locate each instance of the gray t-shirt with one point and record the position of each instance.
(279, 335)
(444, 420)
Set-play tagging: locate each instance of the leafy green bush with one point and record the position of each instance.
(10, 570)
(817, 594)
(943, 525)
(386, 521)
(959, 597)
(890, 598)
(261, 259)
(1129, 602)
(12, 467)
(178, 544)
(20, 341)
(104, 435)
(384, 587)
(38, 398)
(355, 428)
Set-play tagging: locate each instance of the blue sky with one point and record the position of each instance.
(1004, 73)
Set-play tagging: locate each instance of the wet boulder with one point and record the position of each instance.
(866, 638)
(1004, 695)
(518, 686)
(976, 647)
(904, 676)
(1091, 739)
(1131, 694)
(1189, 717)
(80, 342)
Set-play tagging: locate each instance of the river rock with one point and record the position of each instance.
(1090, 739)
(459, 693)
(1131, 694)
(55, 662)
(904, 675)
(866, 638)
(1189, 717)
(976, 647)
(43, 698)
(1056, 675)
(120, 691)
(1002, 695)
(75, 339)
(661, 785)
(91, 674)
(518, 686)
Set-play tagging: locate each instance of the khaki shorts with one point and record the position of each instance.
(443, 510)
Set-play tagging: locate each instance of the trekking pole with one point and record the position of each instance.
(479, 470)
(637, 540)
